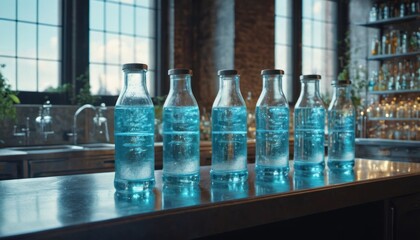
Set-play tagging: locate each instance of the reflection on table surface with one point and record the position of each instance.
(36, 204)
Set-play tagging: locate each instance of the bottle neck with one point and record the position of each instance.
(135, 81)
(310, 88)
(342, 92)
(229, 92)
(180, 83)
(272, 84)
(229, 83)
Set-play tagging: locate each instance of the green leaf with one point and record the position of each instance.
(14, 98)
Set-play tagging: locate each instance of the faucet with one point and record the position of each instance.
(98, 120)
(44, 120)
(25, 132)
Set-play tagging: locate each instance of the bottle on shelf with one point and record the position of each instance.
(181, 131)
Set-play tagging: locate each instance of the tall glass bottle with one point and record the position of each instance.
(341, 127)
(272, 120)
(181, 131)
(229, 131)
(134, 133)
(309, 127)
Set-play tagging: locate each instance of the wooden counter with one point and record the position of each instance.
(84, 206)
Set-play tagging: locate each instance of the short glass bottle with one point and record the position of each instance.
(229, 131)
(341, 127)
(181, 131)
(134, 133)
(309, 127)
(272, 121)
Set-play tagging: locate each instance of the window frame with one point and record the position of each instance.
(74, 52)
(296, 40)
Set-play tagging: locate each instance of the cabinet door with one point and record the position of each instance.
(8, 170)
(406, 217)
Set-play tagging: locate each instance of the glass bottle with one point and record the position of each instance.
(229, 131)
(181, 131)
(341, 127)
(272, 119)
(134, 133)
(309, 127)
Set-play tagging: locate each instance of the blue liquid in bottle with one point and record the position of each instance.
(229, 144)
(272, 148)
(309, 139)
(341, 128)
(134, 148)
(181, 149)
(341, 147)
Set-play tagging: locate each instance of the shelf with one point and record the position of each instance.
(392, 56)
(392, 119)
(394, 91)
(381, 23)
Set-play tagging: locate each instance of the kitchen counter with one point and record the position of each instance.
(85, 206)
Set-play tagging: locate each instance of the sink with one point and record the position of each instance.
(46, 148)
(97, 146)
(61, 148)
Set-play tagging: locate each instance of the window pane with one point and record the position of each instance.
(306, 60)
(97, 79)
(48, 43)
(307, 8)
(127, 49)
(318, 39)
(112, 17)
(307, 32)
(282, 26)
(97, 47)
(145, 3)
(282, 8)
(282, 58)
(144, 50)
(8, 9)
(48, 75)
(144, 21)
(112, 48)
(96, 15)
(27, 10)
(318, 10)
(7, 41)
(26, 40)
(26, 75)
(127, 19)
(49, 11)
(150, 80)
(112, 84)
(9, 71)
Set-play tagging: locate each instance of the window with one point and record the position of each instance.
(315, 26)
(30, 43)
(283, 43)
(319, 23)
(121, 31)
(41, 53)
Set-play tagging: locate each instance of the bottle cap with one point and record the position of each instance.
(227, 72)
(134, 66)
(176, 71)
(310, 77)
(341, 82)
(272, 72)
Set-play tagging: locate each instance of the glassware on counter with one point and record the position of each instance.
(134, 133)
